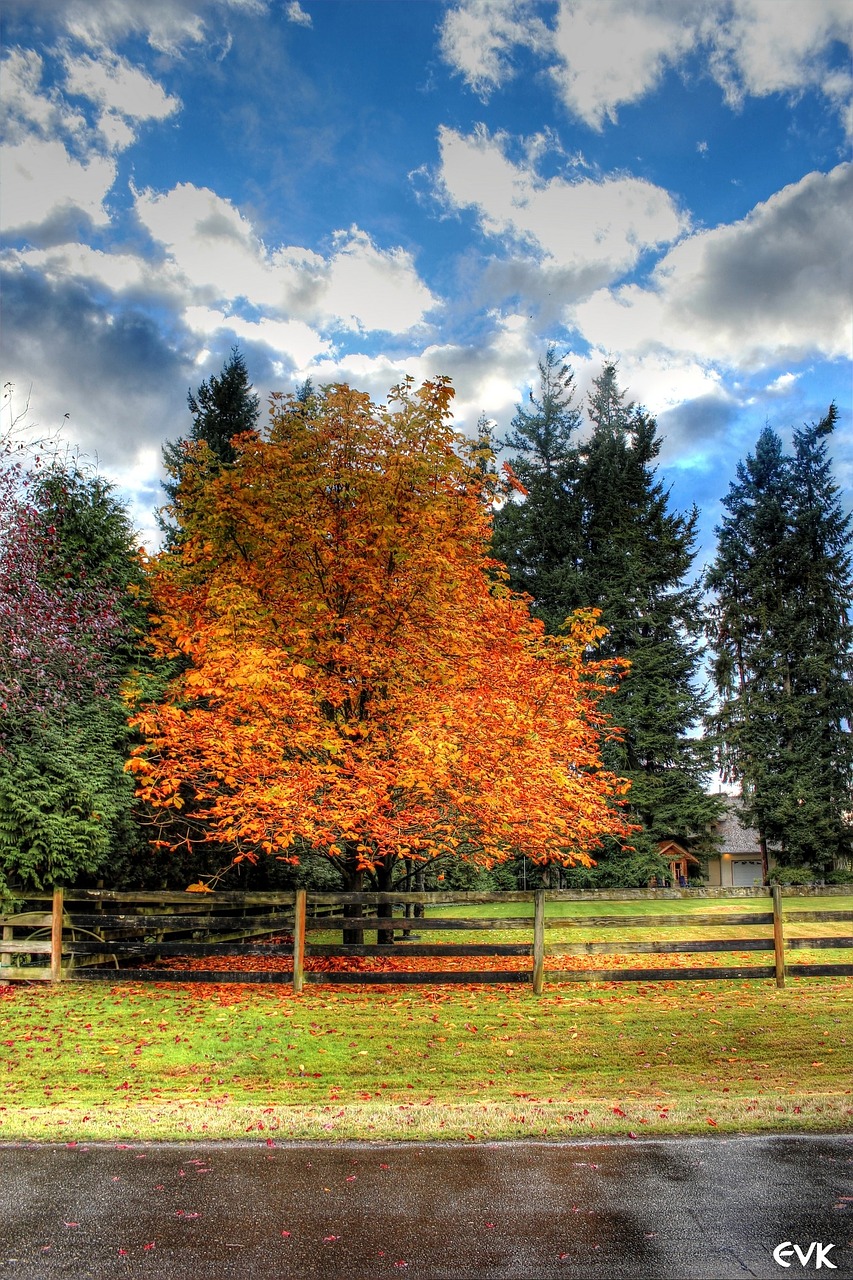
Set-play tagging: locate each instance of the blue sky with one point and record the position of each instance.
(355, 190)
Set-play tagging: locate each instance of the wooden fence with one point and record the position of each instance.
(106, 929)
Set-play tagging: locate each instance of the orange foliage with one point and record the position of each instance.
(358, 677)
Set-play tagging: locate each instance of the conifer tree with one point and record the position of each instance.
(222, 408)
(783, 645)
(595, 529)
(65, 798)
(538, 539)
(635, 560)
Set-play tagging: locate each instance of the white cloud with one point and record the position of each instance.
(489, 376)
(478, 38)
(596, 229)
(602, 54)
(773, 46)
(608, 54)
(781, 385)
(662, 380)
(117, 86)
(771, 288)
(123, 274)
(222, 258)
(42, 182)
(292, 338)
(169, 26)
(295, 13)
(215, 248)
(25, 108)
(54, 169)
(367, 288)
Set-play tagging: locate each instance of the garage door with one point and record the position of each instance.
(746, 872)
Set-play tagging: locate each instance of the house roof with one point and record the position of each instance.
(672, 849)
(735, 836)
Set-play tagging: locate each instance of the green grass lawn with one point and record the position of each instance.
(679, 910)
(155, 1061)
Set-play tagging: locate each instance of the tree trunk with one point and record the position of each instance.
(384, 937)
(407, 909)
(353, 883)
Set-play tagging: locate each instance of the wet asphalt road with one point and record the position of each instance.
(679, 1208)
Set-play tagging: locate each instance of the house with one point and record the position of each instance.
(739, 862)
(679, 859)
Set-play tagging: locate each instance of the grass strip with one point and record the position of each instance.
(219, 1061)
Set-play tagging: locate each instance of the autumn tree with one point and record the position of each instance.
(356, 682)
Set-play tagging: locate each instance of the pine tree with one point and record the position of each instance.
(537, 538)
(65, 798)
(222, 408)
(635, 559)
(783, 642)
(595, 530)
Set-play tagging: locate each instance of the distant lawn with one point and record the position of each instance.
(157, 1061)
(575, 914)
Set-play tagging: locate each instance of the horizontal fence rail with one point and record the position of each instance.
(111, 935)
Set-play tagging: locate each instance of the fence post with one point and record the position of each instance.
(538, 940)
(299, 939)
(778, 936)
(56, 935)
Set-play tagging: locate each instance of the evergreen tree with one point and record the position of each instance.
(595, 530)
(783, 645)
(65, 799)
(221, 408)
(537, 538)
(636, 556)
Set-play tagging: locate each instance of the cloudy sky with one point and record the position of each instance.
(359, 189)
